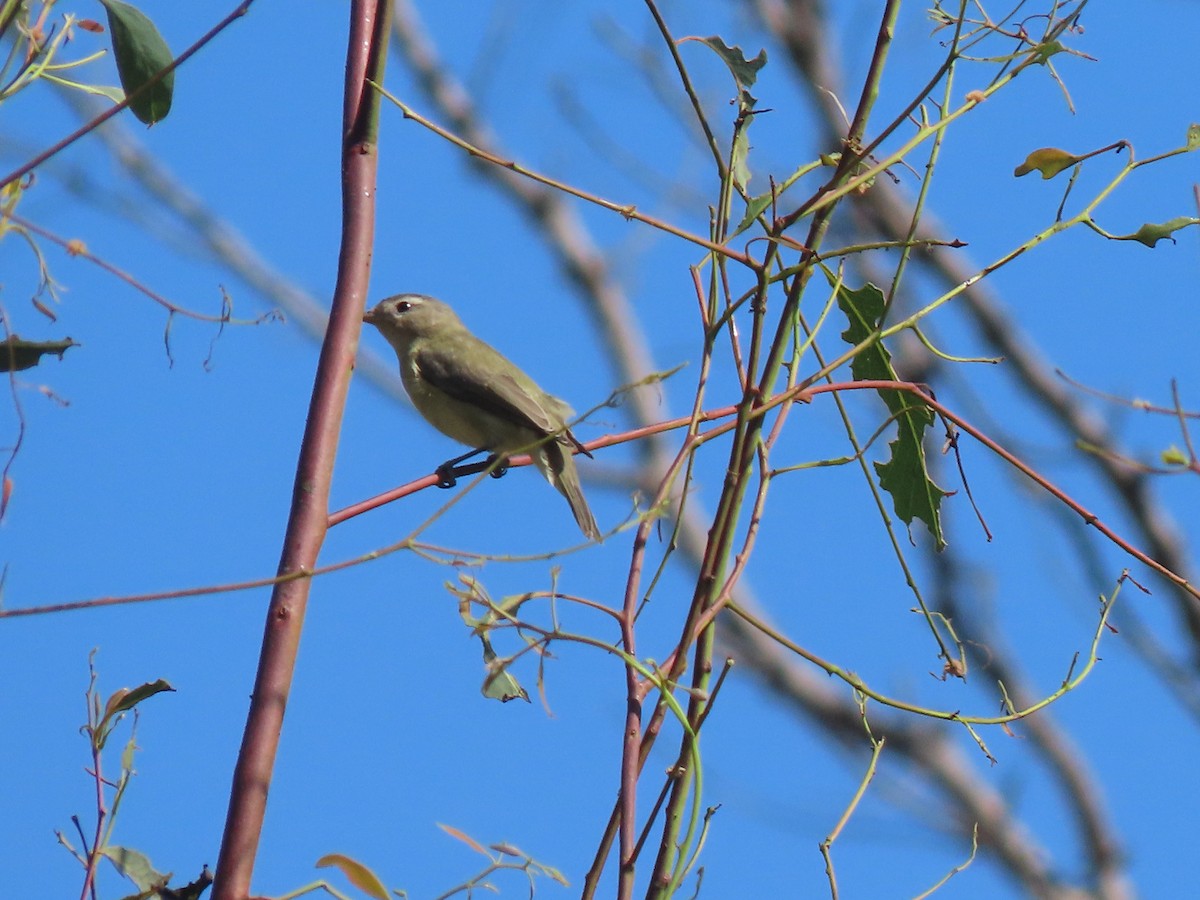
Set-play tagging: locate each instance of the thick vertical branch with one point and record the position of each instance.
(310, 495)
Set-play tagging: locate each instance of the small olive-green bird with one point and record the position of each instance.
(468, 391)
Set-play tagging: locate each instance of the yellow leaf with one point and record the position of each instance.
(358, 874)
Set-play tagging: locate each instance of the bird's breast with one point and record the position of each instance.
(465, 422)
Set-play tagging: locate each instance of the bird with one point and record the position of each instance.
(470, 392)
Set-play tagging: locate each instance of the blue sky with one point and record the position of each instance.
(160, 476)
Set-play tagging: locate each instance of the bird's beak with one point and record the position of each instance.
(369, 317)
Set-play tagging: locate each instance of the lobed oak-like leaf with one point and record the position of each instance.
(905, 476)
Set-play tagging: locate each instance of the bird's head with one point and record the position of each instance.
(406, 316)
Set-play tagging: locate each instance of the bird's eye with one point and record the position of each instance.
(403, 306)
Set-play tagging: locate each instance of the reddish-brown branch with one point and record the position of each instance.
(74, 248)
(93, 852)
(631, 744)
(307, 523)
(357, 509)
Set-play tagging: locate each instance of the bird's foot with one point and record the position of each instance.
(450, 471)
(500, 463)
(446, 475)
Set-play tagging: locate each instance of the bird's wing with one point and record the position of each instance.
(513, 399)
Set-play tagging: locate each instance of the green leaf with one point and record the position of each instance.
(499, 683)
(16, 354)
(358, 874)
(1173, 456)
(755, 207)
(744, 71)
(126, 699)
(1150, 234)
(1044, 51)
(136, 867)
(473, 593)
(127, 755)
(1193, 136)
(905, 476)
(1048, 160)
(122, 701)
(739, 159)
(141, 53)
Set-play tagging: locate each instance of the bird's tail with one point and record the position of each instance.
(558, 466)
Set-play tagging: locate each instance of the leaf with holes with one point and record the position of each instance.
(16, 354)
(1151, 233)
(1048, 160)
(744, 71)
(906, 475)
